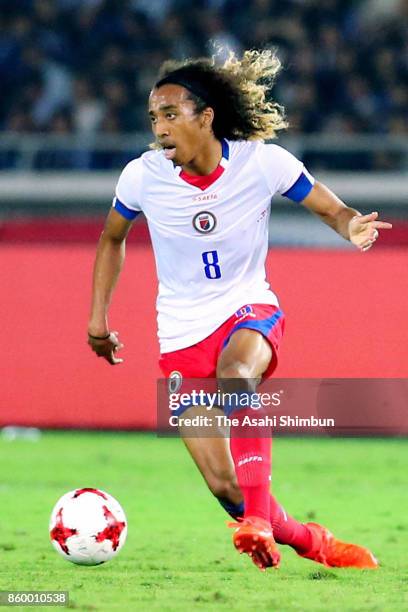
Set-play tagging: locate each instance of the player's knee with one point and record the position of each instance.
(235, 369)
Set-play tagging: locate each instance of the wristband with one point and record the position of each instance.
(98, 337)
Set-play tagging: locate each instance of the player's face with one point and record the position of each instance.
(178, 129)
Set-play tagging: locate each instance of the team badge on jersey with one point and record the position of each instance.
(175, 381)
(204, 222)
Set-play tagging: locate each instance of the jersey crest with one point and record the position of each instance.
(204, 222)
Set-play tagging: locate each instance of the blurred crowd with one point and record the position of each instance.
(86, 66)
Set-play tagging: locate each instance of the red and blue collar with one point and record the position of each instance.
(205, 181)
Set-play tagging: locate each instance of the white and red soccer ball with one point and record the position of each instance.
(88, 526)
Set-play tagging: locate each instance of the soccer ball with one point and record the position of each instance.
(88, 526)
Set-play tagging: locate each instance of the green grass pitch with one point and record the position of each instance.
(179, 555)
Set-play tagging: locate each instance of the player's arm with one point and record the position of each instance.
(361, 230)
(110, 256)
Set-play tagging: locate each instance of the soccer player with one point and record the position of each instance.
(205, 192)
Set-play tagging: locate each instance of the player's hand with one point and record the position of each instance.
(107, 347)
(363, 230)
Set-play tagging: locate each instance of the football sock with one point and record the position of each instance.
(286, 530)
(252, 460)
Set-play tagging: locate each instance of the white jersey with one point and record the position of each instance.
(209, 233)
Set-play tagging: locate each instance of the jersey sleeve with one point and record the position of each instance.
(127, 200)
(284, 173)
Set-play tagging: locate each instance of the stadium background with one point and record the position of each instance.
(75, 75)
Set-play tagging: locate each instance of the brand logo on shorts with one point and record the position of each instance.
(175, 381)
(243, 313)
(204, 222)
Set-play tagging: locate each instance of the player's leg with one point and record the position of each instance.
(243, 361)
(239, 369)
(213, 459)
(244, 365)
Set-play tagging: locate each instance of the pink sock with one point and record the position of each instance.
(286, 530)
(252, 460)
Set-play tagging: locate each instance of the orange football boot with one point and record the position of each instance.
(331, 552)
(254, 536)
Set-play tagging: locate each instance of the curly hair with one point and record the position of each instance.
(237, 91)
